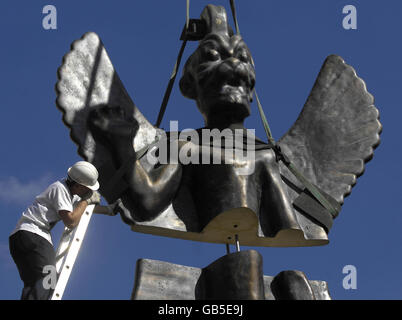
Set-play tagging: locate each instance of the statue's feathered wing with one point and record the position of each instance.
(335, 134)
(87, 79)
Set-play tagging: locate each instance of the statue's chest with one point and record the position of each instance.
(225, 177)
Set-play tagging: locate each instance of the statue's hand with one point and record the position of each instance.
(112, 124)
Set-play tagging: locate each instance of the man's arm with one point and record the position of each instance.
(109, 210)
(71, 219)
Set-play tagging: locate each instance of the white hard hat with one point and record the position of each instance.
(85, 174)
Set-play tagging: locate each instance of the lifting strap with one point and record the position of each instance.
(170, 85)
(175, 68)
(233, 7)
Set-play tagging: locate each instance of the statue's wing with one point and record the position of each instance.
(335, 134)
(86, 80)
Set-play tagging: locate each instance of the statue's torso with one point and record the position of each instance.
(246, 182)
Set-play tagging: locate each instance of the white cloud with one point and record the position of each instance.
(15, 191)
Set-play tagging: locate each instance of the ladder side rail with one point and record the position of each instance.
(71, 241)
(64, 245)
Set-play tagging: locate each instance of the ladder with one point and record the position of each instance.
(67, 252)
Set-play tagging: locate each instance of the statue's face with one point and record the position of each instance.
(222, 77)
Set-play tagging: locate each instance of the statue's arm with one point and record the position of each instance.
(276, 208)
(150, 189)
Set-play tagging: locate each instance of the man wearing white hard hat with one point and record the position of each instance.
(31, 243)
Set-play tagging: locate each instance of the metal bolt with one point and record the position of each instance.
(237, 243)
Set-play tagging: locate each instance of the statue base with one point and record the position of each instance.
(235, 276)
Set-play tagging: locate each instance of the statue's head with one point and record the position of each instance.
(219, 75)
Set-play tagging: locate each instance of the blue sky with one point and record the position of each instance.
(289, 40)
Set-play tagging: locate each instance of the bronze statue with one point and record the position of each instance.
(333, 137)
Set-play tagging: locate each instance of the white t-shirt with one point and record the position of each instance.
(43, 214)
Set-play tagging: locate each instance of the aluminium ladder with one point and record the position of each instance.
(67, 252)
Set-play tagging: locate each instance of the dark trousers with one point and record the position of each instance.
(31, 253)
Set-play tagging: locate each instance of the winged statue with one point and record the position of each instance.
(329, 144)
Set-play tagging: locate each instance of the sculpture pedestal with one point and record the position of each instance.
(236, 276)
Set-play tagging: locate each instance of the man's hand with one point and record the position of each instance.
(113, 208)
(109, 210)
(94, 199)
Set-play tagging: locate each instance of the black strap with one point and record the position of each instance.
(170, 85)
(233, 7)
(175, 68)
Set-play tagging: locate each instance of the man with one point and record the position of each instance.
(31, 243)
